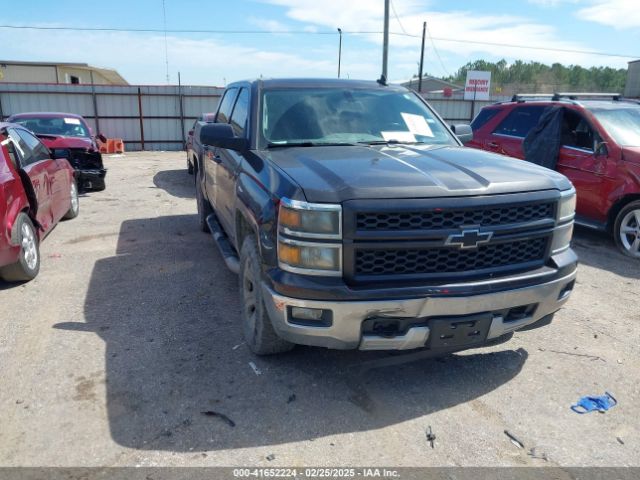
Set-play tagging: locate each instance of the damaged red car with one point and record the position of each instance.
(36, 192)
(68, 135)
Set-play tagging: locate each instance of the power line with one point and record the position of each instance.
(328, 32)
(436, 52)
(393, 9)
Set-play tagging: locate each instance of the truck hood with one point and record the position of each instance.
(336, 174)
(57, 141)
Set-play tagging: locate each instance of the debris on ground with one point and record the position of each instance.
(431, 437)
(515, 440)
(292, 398)
(270, 457)
(255, 369)
(619, 440)
(221, 416)
(590, 357)
(237, 346)
(536, 453)
(589, 404)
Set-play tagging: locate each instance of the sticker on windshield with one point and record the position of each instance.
(398, 136)
(417, 124)
(72, 121)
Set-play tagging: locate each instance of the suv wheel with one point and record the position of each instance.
(256, 324)
(28, 264)
(627, 230)
(204, 207)
(189, 166)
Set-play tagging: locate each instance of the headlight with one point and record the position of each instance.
(311, 220)
(567, 205)
(562, 238)
(310, 258)
(321, 225)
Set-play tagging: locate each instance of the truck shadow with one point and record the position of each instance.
(176, 182)
(598, 250)
(167, 309)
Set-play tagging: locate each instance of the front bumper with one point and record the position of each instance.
(91, 179)
(345, 331)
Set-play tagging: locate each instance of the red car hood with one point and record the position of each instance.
(54, 141)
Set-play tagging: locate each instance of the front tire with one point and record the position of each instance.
(626, 230)
(204, 207)
(257, 329)
(74, 203)
(28, 264)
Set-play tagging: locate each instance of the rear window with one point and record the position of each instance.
(520, 121)
(483, 117)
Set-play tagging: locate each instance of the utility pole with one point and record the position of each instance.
(385, 42)
(339, 50)
(424, 30)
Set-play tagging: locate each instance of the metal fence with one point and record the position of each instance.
(146, 117)
(157, 117)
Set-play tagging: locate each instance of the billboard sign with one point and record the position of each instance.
(478, 85)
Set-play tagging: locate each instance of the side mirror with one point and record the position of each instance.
(58, 153)
(102, 138)
(600, 149)
(463, 132)
(221, 135)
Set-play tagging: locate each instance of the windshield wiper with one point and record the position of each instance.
(390, 142)
(310, 144)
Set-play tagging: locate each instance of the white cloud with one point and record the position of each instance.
(619, 14)
(464, 26)
(269, 25)
(551, 3)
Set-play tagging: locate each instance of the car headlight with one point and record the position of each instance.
(321, 225)
(567, 205)
(311, 220)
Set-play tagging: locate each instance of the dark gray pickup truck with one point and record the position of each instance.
(356, 219)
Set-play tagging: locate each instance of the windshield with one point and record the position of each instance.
(622, 124)
(348, 116)
(61, 126)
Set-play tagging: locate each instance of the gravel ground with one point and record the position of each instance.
(131, 331)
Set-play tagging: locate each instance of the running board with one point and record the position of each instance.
(226, 250)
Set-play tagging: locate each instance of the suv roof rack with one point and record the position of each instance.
(521, 97)
(585, 95)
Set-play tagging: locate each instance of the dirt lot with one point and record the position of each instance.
(131, 331)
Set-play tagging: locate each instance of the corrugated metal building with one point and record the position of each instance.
(58, 72)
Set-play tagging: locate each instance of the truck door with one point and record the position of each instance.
(36, 179)
(577, 160)
(211, 156)
(229, 166)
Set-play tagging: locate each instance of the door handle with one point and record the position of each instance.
(493, 145)
(217, 158)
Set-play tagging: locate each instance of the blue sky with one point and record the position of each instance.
(611, 26)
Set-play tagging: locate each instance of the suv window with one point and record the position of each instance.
(226, 105)
(239, 116)
(520, 121)
(483, 117)
(576, 131)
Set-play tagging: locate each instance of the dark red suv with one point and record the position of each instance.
(36, 191)
(597, 146)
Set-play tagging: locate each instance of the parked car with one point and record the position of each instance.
(356, 219)
(194, 148)
(36, 191)
(598, 150)
(69, 136)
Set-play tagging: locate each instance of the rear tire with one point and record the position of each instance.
(204, 207)
(626, 230)
(257, 329)
(189, 167)
(28, 264)
(74, 203)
